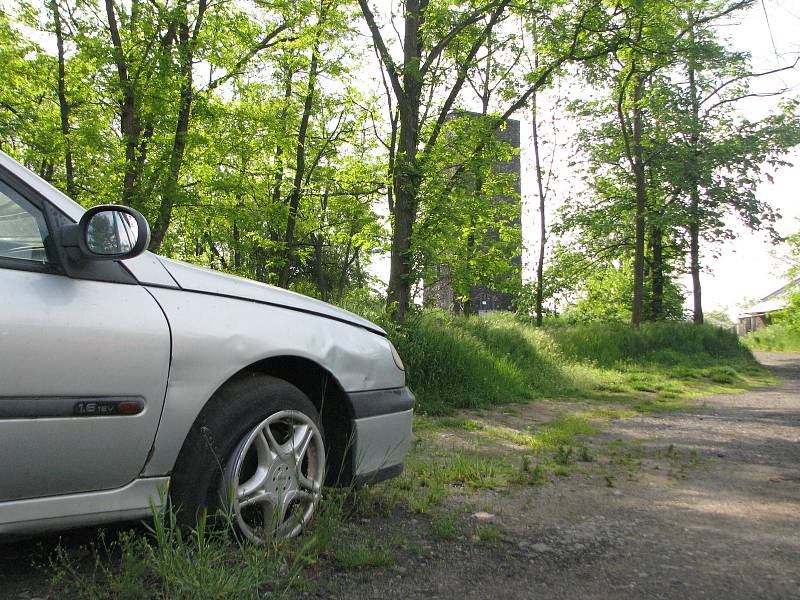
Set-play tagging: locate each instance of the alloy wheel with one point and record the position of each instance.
(274, 479)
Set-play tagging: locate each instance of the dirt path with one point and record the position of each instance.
(723, 522)
(702, 504)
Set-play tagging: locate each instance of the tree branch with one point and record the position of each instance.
(380, 45)
(462, 75)
(267, 42)
(442, 44)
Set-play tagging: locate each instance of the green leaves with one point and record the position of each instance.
(702, 162)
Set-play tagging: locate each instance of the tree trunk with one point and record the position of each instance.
(471, 305)
(406, 177)
(542, 223)
(657, 273)
(237, 251)
(277, 191)
(186, 45)
(319, 267)
(406, 82)
(694, 181)
(694, 251)
(300, 170)
(63, 105)
(406, 184)
(130, 127)
(641, 204)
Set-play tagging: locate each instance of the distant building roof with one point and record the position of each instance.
(777, 300)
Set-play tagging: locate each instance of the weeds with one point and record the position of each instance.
(455, 362)
(208, 562)
(538, 474)
(446, 527)
(564, 456)
(489, 534)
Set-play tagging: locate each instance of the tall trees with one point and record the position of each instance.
(722, 153)
(63, 104)
(677, 160)
(229, 126)
(436, 36)
(428, 31)
(247, 136)
(160, 45)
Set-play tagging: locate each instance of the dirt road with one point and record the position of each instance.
(724, 522)
(702, 504)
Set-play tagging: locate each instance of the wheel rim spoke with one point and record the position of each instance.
(308, 484)
(252, 485)
(265, 454)
(269, 513)
(257, 498)
(281, 509)
(301, 439)
(274, 446)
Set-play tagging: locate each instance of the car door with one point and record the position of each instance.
(83, 364)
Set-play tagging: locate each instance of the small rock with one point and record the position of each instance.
(541, 547)
(483, 516)
(617, 493)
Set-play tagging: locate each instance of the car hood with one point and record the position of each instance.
(199, 279)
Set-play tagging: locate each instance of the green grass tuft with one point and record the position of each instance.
(775, 338)
(351, 554)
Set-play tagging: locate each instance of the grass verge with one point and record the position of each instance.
(456, 362)
(775, 338)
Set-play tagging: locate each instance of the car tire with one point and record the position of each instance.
(256, 452)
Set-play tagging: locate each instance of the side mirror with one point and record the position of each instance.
(108, 232)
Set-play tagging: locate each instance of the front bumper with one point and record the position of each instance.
(382, 426)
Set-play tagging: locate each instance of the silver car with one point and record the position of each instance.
(124, 374)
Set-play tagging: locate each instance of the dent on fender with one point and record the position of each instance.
(238, 333)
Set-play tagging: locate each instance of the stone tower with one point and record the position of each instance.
(438, 292)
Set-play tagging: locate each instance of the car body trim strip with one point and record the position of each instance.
(55, 407)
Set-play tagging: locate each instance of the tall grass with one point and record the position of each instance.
(209, 562)
(775, 338)
(456, 362)
(672, 342)
(468, 363)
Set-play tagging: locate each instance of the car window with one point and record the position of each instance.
(23, 230)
